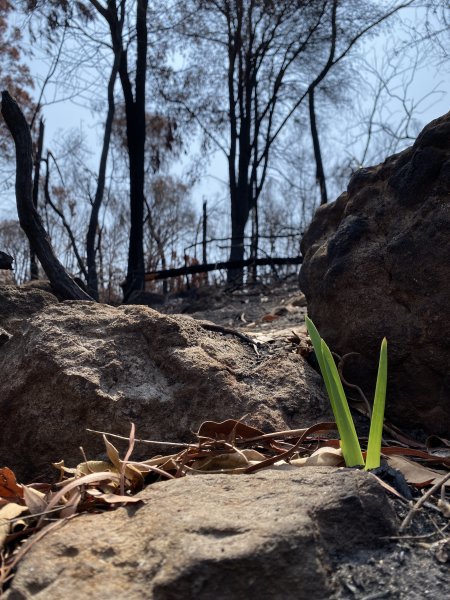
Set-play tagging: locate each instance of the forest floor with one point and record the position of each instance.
(413, 565)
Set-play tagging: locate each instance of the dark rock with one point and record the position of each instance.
(377, 263)
(6, 261)
(4, 336)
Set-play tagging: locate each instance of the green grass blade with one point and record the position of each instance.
(351, 449)
(317, 345)
(376, 425)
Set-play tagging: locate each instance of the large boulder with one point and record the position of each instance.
(377, 263)
(77, 365)
(271, 535)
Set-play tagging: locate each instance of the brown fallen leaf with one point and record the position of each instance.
(323, 457)
(222, 430)
(414, 473)
(113, 498)
(10, 490)
(269, 318)
(231, 460)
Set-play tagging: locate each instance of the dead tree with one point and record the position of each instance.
(29, 218)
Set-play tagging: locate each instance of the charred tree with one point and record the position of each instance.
(320, 173)
(91, 248)
(34, 270)
(29, 218)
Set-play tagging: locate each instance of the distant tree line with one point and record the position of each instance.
(175, 81)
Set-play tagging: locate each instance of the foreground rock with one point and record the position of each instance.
(377, 263)
(272, 535)
(78, 365)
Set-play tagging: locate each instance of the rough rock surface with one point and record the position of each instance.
(272, 535)
(78, 365)
(377, 263)
(18, 303)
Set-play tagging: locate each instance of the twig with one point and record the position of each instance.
(127, 456)
(419, 537)
(141, 441)
(228, 331)
(352, 385)
(421, 501)
(289, 433)
(286, 455)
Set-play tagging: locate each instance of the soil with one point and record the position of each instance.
(412, 566)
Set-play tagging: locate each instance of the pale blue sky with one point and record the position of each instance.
(62, 116)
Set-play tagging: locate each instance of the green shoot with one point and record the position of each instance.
(351, 449)
(376, 424)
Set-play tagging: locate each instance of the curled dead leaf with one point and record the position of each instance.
(323, 457)
(9, 488)
(7, 513)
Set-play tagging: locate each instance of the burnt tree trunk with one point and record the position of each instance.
(92, 276)
(135, 114)
(34, 270)
(29, 218)
(320, 173)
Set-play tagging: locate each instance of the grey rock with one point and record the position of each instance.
(272, 536)
(19, 303)
(81, 365)
(377, 263)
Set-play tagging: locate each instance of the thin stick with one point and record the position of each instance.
(419, 537)
(421, 501)
(127, 456)
(352, 385)
(289, 433)
(127, 439)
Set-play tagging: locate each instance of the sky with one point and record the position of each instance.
(71, 114)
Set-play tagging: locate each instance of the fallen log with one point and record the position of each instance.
(233, 264)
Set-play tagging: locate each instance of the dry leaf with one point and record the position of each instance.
(8, 512)
(222, 430)
(323, 457)
(444, 507)
(95, 466)
(253, 455)
(71, 506)
(113, 498)
(131, 472)
(269, 318)
(9, 488)
(230, 461)
(413, 472)
(34, 500)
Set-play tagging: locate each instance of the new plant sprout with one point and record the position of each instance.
(351, 449)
